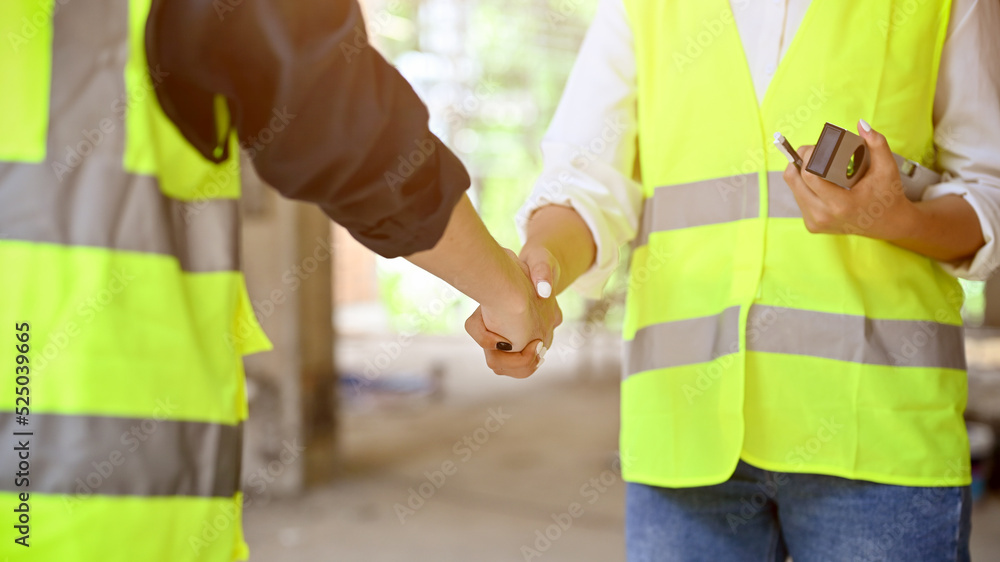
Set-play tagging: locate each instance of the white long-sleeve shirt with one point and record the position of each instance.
(590, 148)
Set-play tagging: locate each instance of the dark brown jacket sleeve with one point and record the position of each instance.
(325, 118)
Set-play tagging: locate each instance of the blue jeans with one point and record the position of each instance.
(758, 515)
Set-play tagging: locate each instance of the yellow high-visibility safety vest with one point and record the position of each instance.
(747, 337)
(119, 247)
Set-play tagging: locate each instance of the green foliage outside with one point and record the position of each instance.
(522, 52)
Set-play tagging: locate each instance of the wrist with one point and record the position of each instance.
(908, 221)
(510, 288)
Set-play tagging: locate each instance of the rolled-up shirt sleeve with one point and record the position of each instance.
(353, 136)
(589, 151)
(967, 126)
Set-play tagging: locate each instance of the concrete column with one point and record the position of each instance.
(287, 254)
(992, 295)
(317, 375)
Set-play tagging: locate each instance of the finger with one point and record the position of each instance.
(485, 338)
(827, 191)
(804, 196)
(882, 158)
(516, 365)
(805, 152)
(544, 270)
(541, 278)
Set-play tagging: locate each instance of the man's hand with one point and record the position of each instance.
(875, 207)
(559, 248)
(533, 317)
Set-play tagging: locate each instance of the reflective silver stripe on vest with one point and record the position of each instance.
(902, 343)
(88, 200)
(684, 342)
(84, 455)
(122, 212)
(780, 201)
(771, 329)
(700, 203)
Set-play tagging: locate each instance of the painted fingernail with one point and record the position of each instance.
(504, 346)
(541, 350)
(541, 361)
(864, 125)
(544, 289)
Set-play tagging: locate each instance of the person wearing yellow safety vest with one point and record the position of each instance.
(794, 370)
(125, 315)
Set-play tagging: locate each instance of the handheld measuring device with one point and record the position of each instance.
(843, 158)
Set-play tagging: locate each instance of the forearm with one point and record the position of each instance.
(469, 259)
(946, 229)
(562, 232)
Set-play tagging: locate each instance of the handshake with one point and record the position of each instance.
(518, 310)
(515, 329)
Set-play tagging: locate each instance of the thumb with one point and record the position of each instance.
(488, 340)
(541, 275)
(882, 158)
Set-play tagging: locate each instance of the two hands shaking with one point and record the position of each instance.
(559, 248)
(515, 336)
(518, 308)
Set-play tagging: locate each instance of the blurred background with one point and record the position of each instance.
(401, 444)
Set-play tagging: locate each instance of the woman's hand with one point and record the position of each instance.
(875, 207)
(946, 229)
(535, 315)
(559, 249)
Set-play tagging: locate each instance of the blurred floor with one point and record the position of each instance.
(555, 445)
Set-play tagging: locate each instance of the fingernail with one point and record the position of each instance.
(541, 350)
(504, 346)
(864, 125)
(544, 289)
(541, 361)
